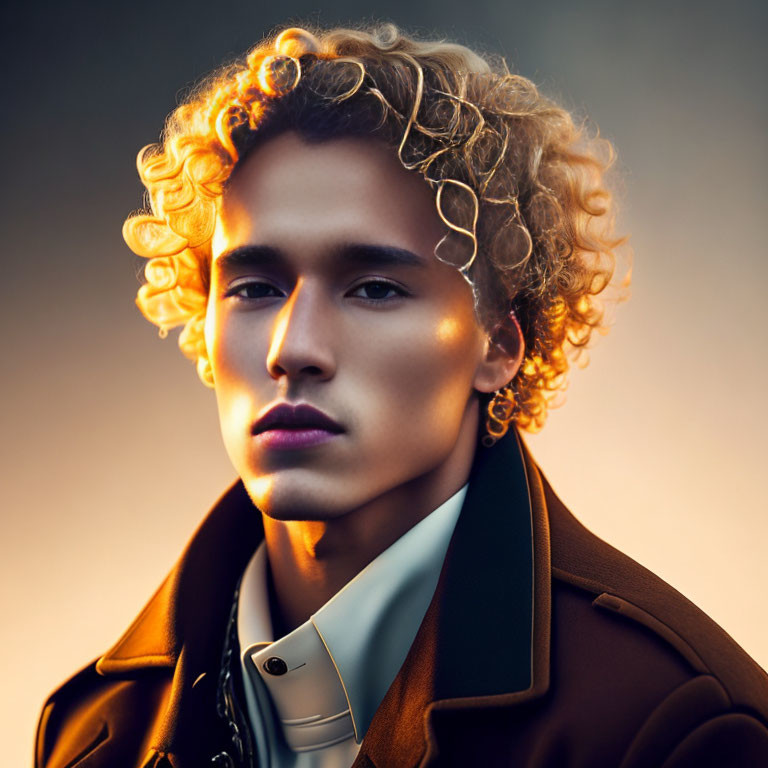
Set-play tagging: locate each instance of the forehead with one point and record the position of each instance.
(290, 192)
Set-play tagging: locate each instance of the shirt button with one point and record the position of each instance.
(274, 665)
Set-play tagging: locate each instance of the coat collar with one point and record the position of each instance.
(493, 596)
(494, 589)
(195, 596)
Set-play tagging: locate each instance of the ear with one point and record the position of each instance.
(503, 356)
(205, 371)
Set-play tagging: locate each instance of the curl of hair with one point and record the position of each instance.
(519, 185)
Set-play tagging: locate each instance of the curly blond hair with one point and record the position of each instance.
(518, 183)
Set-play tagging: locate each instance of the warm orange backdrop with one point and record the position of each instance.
(111, 452)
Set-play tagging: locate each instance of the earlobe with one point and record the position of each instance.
(205, 371)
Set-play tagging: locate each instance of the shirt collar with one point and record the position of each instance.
(339, 664)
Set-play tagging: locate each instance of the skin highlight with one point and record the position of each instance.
(325, 290)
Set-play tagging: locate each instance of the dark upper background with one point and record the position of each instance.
(111, 451)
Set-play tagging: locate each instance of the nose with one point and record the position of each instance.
(301, 341)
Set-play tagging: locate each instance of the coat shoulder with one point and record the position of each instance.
(592, 571)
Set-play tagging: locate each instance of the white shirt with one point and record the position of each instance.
(334, 670)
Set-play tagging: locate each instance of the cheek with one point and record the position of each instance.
(421, 375)
(234, 346)
(237, 357)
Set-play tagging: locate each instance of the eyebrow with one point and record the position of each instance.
(356, 254)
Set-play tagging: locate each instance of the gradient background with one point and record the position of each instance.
(111, 452)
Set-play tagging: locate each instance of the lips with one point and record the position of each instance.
(295, 417)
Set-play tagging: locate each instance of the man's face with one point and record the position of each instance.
(325, 291)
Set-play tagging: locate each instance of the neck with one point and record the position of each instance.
(311, 560)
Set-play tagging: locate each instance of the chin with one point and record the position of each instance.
(285, 501)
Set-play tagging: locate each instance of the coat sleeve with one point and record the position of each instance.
(697, 726)
(735, 740)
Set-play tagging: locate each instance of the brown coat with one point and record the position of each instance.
(543, 647)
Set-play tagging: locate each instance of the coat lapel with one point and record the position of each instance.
(493, 596)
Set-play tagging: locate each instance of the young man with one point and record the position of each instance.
(382, 251)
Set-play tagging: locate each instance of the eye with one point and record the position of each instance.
(253, 289)
(378, 290)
